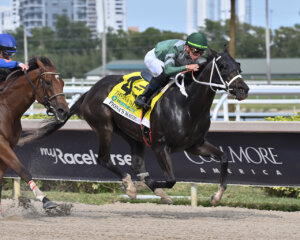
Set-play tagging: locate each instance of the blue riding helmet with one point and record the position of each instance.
(8, 43)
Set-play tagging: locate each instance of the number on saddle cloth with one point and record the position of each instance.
(130, 80)
(127, 87)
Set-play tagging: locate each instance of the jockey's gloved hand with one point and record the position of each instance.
(23, 66)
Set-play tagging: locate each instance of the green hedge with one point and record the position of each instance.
(68, 186)
(283, 191)
(295, 117)
(44, 116)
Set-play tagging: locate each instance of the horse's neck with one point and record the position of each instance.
(19, 95)
(201, 96)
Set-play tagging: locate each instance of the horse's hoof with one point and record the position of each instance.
(129, 187)
(213, 202)
(163, 196)
(167, 201)
(131, 194)
(49, 205)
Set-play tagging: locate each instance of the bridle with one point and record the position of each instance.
(224, 86)
(46, 101)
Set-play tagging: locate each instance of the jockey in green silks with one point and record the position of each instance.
(169, 58)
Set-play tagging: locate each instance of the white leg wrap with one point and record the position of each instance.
(36, 191)
(141, 176)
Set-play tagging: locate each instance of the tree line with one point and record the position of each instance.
(75, 51)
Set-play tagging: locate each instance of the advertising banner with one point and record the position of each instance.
(254, 159)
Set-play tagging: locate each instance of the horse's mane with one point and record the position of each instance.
(32, 66)
(202, 66)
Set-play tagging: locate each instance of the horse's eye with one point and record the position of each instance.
(224, 66)
(48, 82)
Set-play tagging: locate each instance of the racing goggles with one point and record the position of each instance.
(8, 54)
(196, 51)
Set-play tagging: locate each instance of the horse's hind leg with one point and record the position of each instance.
(105, 161)
(206, 149)
(10, 159)
(139, 168)
(164, 159)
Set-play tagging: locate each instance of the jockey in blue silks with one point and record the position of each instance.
(8, 47)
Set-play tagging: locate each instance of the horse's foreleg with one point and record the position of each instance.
(10, 159)
(3, 168)
(206, 149)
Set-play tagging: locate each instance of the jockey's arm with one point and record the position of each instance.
(171, 69)
(8, 63)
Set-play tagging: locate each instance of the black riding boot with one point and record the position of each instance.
(141, 101)
(154, 84)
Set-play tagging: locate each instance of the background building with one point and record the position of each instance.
(115, 14)
(199, 10)
(5, 19)
(39, 13)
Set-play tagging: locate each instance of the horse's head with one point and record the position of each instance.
(229, 72)
(49, 89)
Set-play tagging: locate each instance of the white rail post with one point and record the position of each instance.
(225, 109)
(194, 195)
(16, 188)
(237, 112)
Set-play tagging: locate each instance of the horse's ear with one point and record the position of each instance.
(213, 52)
(225, 48)
(51, 62)
(39, 63)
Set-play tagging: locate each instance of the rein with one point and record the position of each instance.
(46, 101)
(225, 85)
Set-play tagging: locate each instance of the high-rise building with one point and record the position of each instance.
(216, 10)
(39, 13)
(5, 19)
(115, 15)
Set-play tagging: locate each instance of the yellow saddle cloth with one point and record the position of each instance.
(122, 96)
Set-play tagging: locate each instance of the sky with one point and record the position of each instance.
(171, 14)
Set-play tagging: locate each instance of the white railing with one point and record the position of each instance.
(84, 82)
(277, 92)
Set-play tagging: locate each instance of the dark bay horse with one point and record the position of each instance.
(42, 83)
(178, 123)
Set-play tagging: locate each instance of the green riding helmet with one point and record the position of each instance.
(197, 40)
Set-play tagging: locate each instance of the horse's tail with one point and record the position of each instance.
(51, 125)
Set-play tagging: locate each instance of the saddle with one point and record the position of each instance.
(122, 96)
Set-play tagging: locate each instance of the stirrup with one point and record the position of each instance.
(140, 102)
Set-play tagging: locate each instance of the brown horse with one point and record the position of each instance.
(42, 83)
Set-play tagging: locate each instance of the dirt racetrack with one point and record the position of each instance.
(129, 221)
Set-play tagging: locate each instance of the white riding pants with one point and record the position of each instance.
(154, 65)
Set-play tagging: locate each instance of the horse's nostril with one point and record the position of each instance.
(60, 111)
